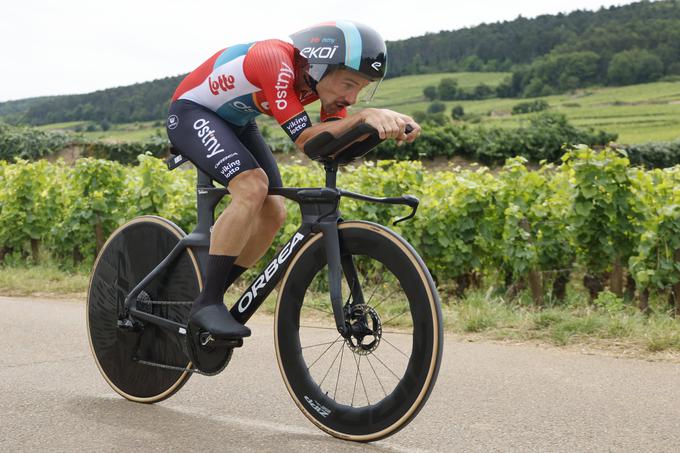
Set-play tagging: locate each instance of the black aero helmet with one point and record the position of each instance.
(341, 44)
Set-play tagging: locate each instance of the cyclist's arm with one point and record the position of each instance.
(389, 124)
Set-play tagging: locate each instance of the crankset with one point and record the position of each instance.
(208, 354)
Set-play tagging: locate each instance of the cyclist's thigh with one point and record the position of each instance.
(252, 139)
(208, 141)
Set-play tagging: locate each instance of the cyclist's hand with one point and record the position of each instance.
(411, 136)
(389, 124)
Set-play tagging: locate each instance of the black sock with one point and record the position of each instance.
(235, 272)
(217, 267)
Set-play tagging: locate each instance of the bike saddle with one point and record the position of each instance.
(217, 320)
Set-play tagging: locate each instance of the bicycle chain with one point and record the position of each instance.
(179, 368)
(172, 367)
(168, 302)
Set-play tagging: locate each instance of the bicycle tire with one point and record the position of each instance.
(129, 254)
(377, 253)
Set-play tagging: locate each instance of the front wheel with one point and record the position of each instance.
(370, 385)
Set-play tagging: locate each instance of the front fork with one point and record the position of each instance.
(337, 266)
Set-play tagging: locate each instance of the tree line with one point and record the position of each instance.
(630, 44)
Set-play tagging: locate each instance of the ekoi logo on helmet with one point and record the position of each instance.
(323, 53)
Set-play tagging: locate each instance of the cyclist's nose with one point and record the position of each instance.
(351, 98)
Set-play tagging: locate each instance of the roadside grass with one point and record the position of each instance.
(42, 280)
(607, 324)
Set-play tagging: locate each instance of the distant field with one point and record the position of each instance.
(638, 113)
(118, 132)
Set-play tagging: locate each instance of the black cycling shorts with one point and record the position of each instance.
(218, 148)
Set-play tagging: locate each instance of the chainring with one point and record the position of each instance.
(208, 359)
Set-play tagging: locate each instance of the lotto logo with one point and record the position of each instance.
(223, 83)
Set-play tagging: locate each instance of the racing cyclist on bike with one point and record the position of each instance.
(211, 121)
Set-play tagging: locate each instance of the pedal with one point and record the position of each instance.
(207, 340)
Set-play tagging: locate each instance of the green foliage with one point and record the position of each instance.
(606, 217)
(457, 112)
(591, 212)
(126, 152)
(430, 92)
(25, 142)
(634, 66)
(91, 197)
(436, 107)
(448, 89)
(655, 155)
(530, 107)
(28, 203)
(543, 139)
(656, 265)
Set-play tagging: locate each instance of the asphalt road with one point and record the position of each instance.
(489, 397)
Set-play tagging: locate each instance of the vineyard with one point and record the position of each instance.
(593, 220)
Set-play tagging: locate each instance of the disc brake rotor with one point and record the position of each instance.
(366, 329)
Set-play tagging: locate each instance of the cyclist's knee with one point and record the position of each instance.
(249, 188)
(275, 211)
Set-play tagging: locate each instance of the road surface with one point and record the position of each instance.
(489, 397)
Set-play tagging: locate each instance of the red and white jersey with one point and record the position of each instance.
(243, 81)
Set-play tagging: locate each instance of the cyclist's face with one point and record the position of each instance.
(339, 89)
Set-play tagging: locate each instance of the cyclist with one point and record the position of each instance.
(211, 121)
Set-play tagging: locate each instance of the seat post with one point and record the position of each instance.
(331, 174)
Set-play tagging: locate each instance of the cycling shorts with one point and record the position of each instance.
(218, 148)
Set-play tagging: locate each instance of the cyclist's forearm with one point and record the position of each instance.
(336, 128)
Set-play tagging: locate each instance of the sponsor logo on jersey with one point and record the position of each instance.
(223, 83)
(321, 53)
(296, 125)
(243, 107)
(173, 122)
(207, 137)
(283, 82)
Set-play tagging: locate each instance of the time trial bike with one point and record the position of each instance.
(358, 324)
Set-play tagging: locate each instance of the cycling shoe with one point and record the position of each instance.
(217, 320)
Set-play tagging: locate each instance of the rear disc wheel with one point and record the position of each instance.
(130, 254)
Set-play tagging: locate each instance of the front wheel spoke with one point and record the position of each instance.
(356, 376)
(342, 346)
(402, 352)
(335, 392)
(319, 344)
(328, 312)
(382, 279)
(324, 352)
(362, 378)
(396, 332)
(388, 368)
(318, 327)
(388, 297)
(394, 317)
(368, 359)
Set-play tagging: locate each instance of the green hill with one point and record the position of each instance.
(637, 113)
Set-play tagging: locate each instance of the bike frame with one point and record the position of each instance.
(320, 214)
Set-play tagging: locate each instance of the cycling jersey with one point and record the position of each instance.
(243, 81)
